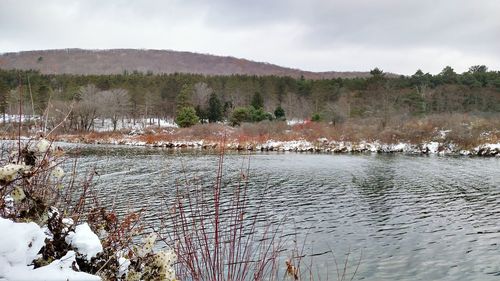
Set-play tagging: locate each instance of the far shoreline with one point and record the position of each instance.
(319, 146)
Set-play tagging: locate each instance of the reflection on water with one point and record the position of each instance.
(411, 217)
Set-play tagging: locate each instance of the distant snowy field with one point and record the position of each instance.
(106, 125)
(103, 125)
(9, 118)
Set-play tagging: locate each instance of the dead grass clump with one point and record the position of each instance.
(418, 130)
(311, 131)
(466, 130)
(462, 136)
(264, 131)
(153, 138)
(391, 135)
(210, 131)
(359, 130)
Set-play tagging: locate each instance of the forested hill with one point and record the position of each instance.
(118, 61)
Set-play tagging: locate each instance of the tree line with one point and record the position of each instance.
(81, 100)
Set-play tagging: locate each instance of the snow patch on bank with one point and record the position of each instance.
(489, 149)
(298, 145)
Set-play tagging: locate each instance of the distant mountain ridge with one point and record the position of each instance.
(116, 61)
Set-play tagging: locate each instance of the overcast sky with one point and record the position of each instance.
(398, 36)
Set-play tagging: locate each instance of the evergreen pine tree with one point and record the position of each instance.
(214, 108)
(257, 100)
(279, 113)
(184, 98)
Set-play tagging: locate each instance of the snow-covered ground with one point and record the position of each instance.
(295, 121)
(21, 242)
(13, 118)
(102, 125)
(105, 125)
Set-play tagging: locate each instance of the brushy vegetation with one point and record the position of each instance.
(464, 130)
(216, 238)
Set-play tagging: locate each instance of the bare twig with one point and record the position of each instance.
(62, 122)
(31, 97)
(20, 125)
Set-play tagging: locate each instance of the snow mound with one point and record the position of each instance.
(85, 241)
(19, 242)
(60, 269)
(19, 246)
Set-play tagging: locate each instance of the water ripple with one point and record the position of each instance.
(412, 217)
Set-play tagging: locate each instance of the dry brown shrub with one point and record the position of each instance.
(210, 131)
(418, 130)
(472, 130)
(150, 139)
(311, 131)
(360, 129)
(391, 135)
(265, 130)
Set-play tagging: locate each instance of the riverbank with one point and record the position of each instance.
(455, 134)
(320, 145)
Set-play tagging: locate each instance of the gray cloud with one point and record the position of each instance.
(398, 36)
(375, 23)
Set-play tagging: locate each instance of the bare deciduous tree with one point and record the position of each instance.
(60, 112)
(201, 94)
(153, 107)
(86, 107)
(297, 106)
(113, 104)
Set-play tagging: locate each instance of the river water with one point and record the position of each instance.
(406, 217)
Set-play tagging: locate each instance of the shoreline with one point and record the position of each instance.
(321, 145)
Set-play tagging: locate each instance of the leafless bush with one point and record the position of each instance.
(215, 238)
(210, 131)
(264, 130)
